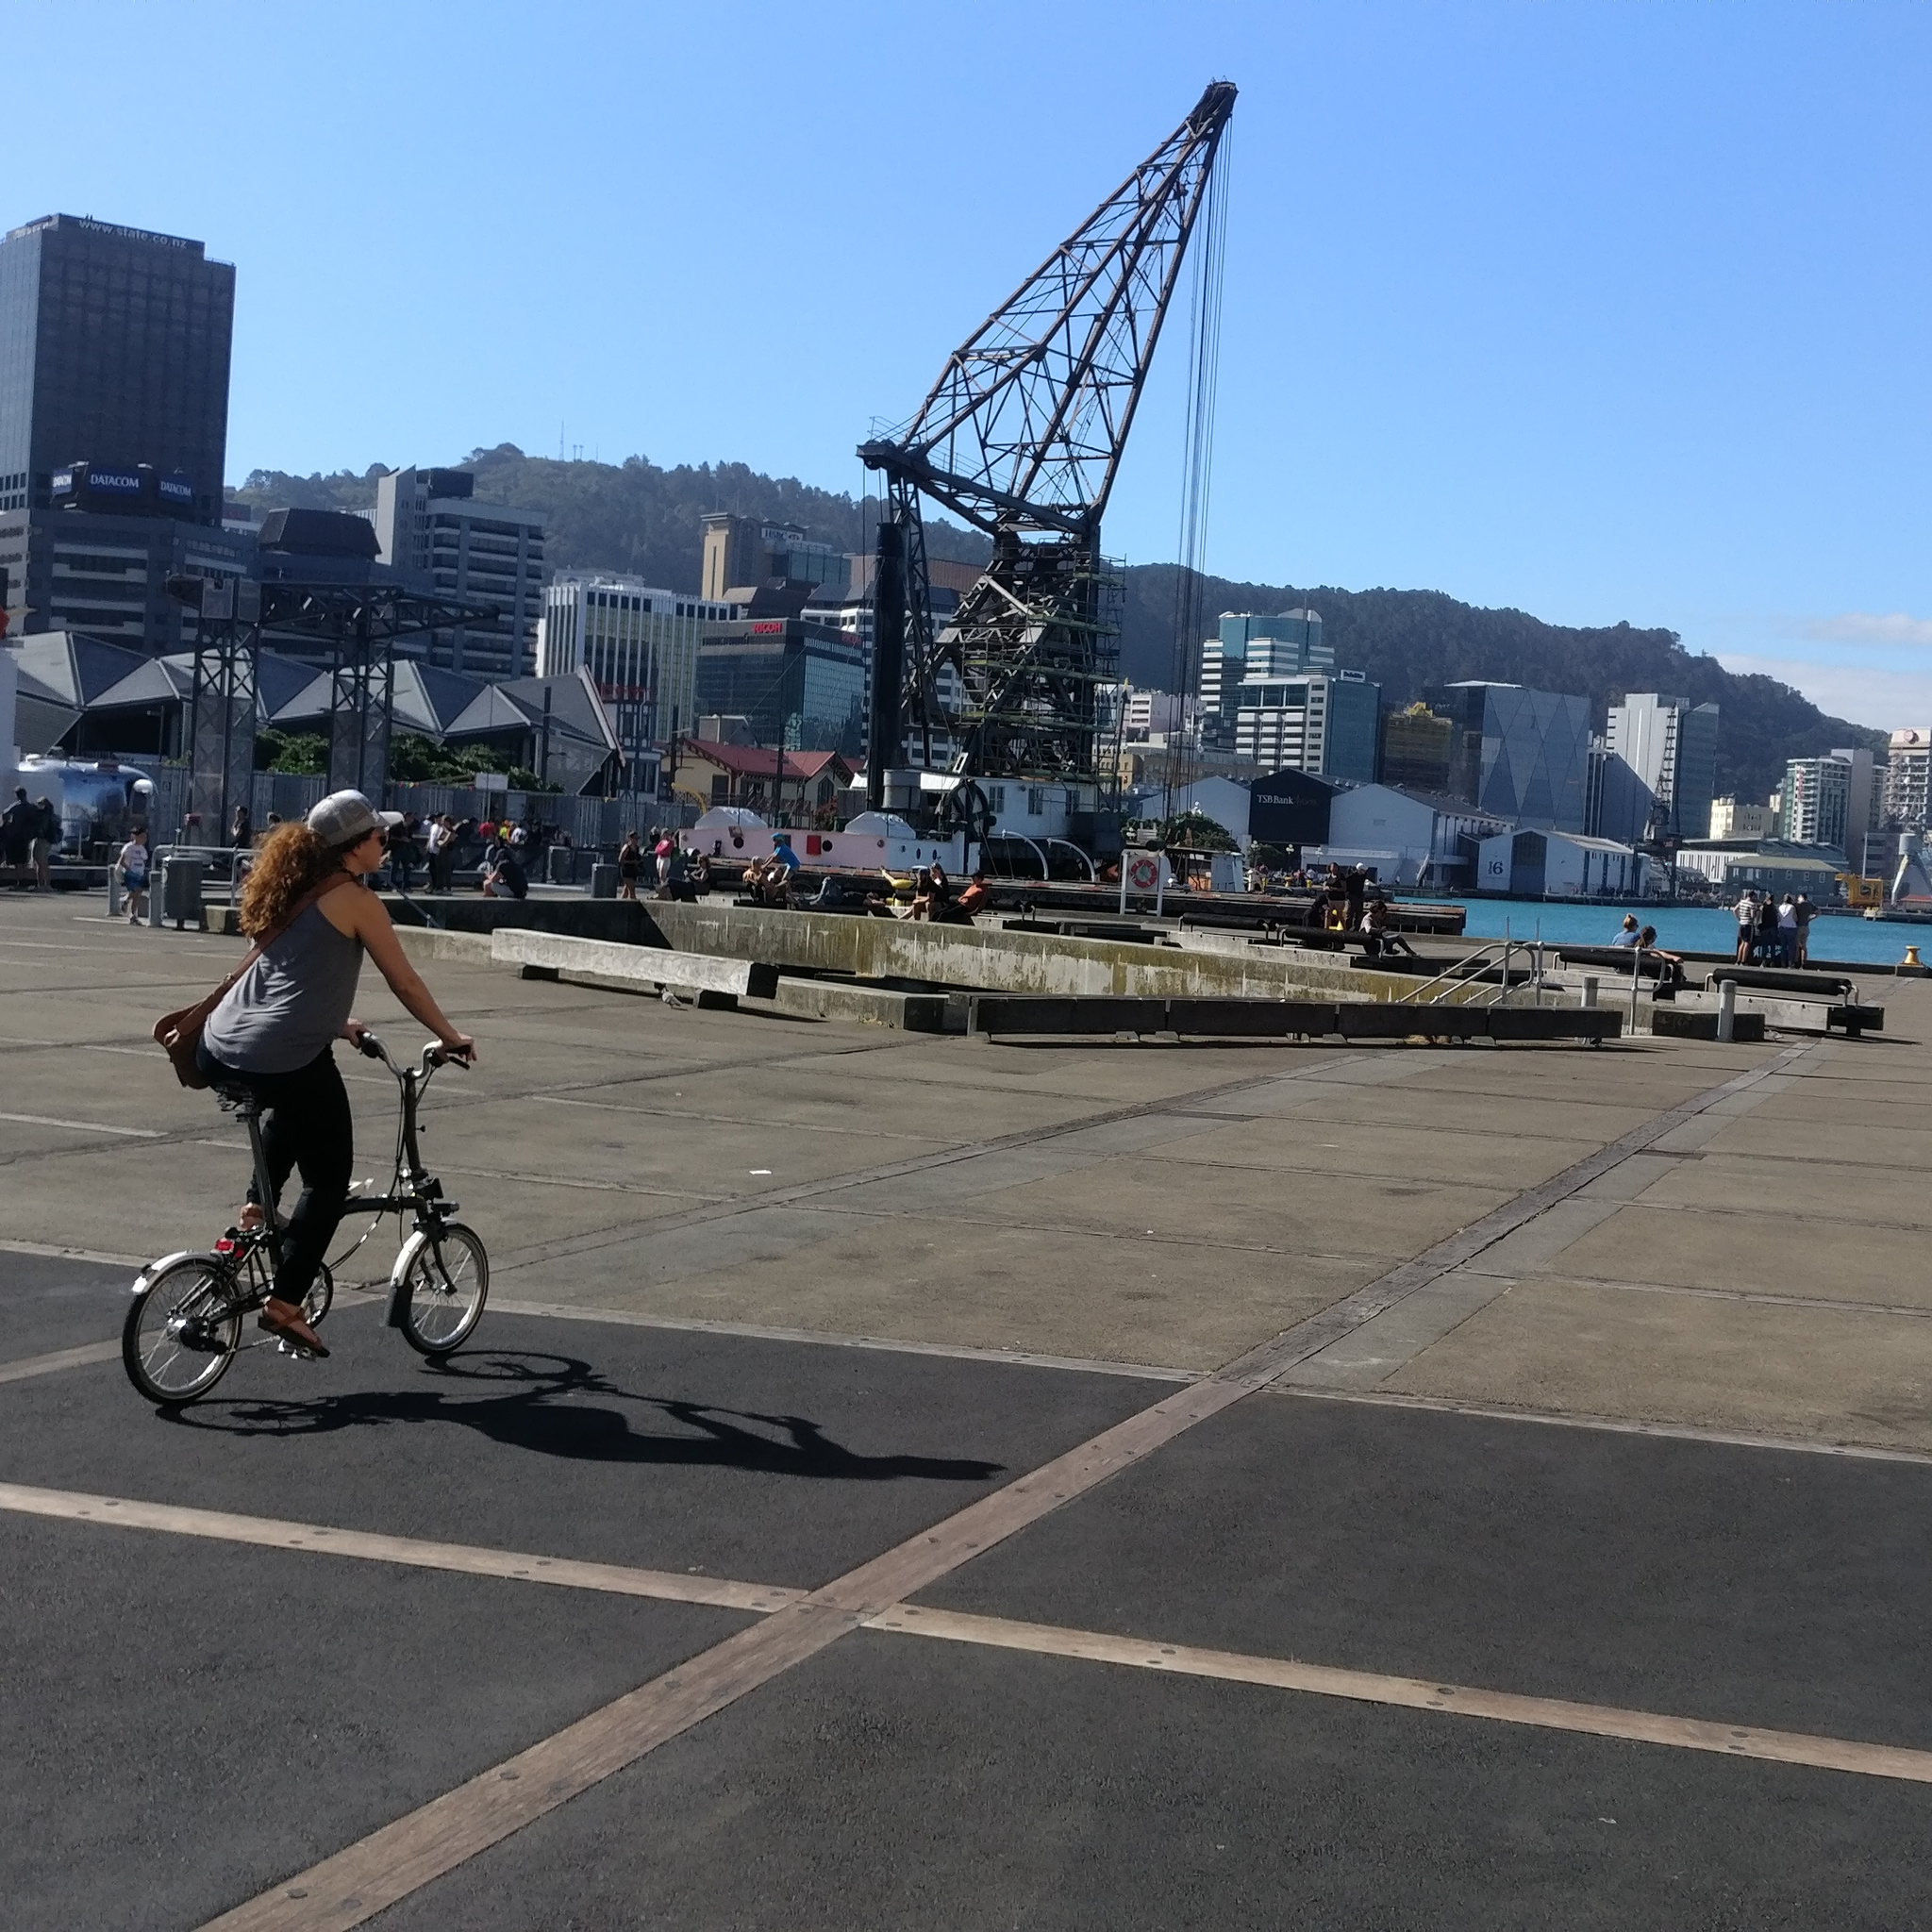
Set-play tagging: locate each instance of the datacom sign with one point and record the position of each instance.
(114, 482)
(176, 488)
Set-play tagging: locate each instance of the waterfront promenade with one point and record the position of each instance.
(907, 1481)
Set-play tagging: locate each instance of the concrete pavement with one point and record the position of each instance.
(781, 1262)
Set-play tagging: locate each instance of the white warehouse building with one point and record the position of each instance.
(1558, 865)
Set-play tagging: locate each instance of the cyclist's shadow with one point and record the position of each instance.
(542, 1412)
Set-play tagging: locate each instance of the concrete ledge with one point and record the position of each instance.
(870, 1006)
(601, 963)
(1747, 1029)
(1008, 1016)
(426, 943)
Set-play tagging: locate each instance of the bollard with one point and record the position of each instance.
(114, 892)
(1590, 990)
(1727, 1007)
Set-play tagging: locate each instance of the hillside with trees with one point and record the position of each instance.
(638, 517)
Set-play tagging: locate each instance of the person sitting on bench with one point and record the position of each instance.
(1378, 935)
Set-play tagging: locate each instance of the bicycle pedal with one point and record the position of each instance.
(294, 1348)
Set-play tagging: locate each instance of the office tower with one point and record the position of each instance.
(431, 531)
(1288, 644)
(114, 347)
(1672, 746)
(1520, 755)
(742, 552)
(799, 682)
(640, 645)
(1317, 723)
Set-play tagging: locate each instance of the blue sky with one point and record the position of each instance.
(1604, 311)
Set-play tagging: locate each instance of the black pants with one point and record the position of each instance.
(305, 1123)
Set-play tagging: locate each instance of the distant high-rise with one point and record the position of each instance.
(1288, 644)
(1672, 746)
(741, 553)
(1316, 722)
(430, 528)
(638, 642)
(1907, 770)
(114, 347)
(1813, 801)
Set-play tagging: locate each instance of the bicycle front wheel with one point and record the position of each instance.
(444, 1280)
(182, 1331)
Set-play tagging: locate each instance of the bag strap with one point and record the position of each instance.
(275, 932)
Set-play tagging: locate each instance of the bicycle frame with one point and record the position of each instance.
(414, 1189)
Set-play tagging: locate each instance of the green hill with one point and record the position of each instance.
(1404, 639)
(635, 516)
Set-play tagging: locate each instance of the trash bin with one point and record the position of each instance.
(603, 881)
(182, 879)
(562, 861)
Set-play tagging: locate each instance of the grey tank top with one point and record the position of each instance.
(287, 1007)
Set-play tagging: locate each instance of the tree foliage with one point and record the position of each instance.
(303, 753)
(414, 759)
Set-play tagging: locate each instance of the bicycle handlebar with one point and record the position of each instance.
(434, 1054)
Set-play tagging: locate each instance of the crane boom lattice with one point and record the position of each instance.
(1022, 435)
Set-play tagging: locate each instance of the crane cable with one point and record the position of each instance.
(1203, 374)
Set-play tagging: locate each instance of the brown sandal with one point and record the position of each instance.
(286, 1320)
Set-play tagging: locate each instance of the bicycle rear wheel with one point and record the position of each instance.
(443, 1282)
(182, 1331)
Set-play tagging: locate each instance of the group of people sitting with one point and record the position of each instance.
(660, 861)
(1642, 940)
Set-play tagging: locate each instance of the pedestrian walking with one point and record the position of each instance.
(45, 841)
(241, 832)
(1355, 889)
(132, 862)
(17, 836)
(630, 865)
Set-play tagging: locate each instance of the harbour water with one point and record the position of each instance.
(1690, 929)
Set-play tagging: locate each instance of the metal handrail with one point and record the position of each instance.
(1411, 996)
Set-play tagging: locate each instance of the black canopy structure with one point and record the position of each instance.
(354, 627)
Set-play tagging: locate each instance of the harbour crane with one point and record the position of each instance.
(1022, 437)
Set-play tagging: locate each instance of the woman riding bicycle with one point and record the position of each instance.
(272, 1037)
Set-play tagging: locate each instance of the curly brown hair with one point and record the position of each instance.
(291, 860)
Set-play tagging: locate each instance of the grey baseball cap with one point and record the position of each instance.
(345, 818)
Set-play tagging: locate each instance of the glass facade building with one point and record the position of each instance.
(1520, 755)
(799, 682)
(1288, 644)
